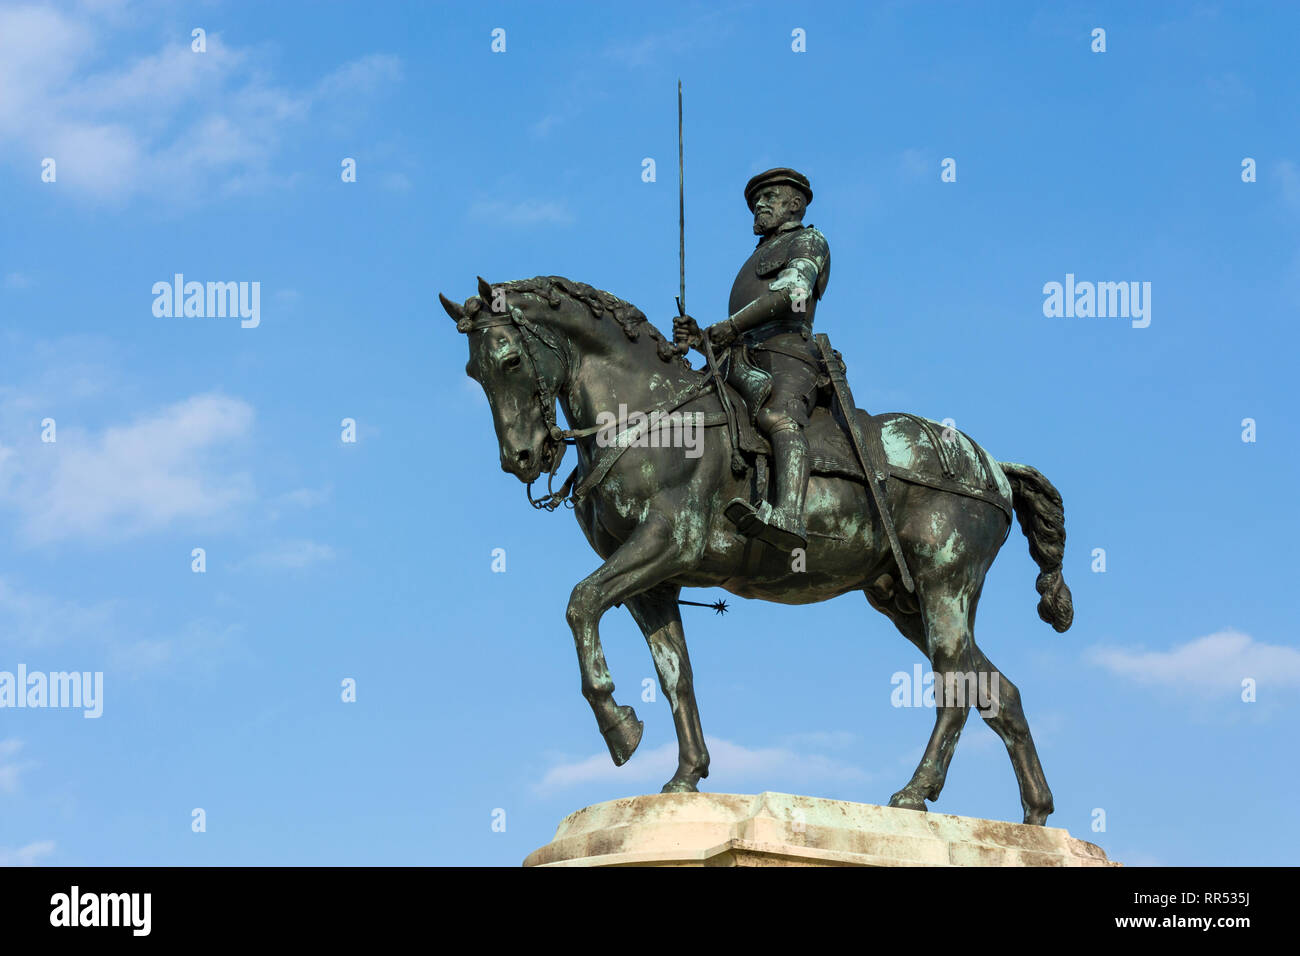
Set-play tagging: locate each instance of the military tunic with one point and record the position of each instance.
(790, 268)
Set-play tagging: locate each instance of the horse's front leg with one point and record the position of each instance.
(660, 620)
(648, 557)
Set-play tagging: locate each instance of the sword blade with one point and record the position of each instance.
(681, 207)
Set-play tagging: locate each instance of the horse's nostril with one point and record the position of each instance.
(524, 457)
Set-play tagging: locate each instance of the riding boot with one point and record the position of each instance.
(784, 523)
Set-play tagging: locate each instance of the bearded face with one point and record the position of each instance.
(776, 205)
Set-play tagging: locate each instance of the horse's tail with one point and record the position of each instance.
(1041, 514)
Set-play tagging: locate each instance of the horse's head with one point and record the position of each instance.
(521, 368)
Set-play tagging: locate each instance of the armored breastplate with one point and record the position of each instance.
(762, 268)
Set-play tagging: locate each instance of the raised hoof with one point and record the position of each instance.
(680, 785)
(624, 736)
(907, 801)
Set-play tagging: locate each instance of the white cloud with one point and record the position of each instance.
(647, 48)
(543, 126)
(1214, 665)
(36, 620)
(9, 768)
(659, 764)
(27, 855)
(132, 478)
(203, 644)
(289, 556)
(367, 75)
(31, 620)
(304, 498)
(525, 212)
(173, 121)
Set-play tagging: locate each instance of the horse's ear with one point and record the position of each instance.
(456, 311)
(485, 291)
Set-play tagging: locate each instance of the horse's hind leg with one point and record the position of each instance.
(657, 614)
(929, 777)
(948, 647)
(950, 542)
(1003, 713)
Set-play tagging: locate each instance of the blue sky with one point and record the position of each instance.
(372, 560)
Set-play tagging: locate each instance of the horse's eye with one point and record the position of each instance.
(512, 363)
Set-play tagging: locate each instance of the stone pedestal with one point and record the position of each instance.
(779, 829)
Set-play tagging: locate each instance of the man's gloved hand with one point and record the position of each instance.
(722, 334)
(686, 334)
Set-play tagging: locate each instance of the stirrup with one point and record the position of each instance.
(783, 539)
(756, 523)
(745, 517)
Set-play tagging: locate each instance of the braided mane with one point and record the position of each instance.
(599, 302)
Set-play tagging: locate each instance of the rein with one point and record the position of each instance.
(612, 452)
(563, 437)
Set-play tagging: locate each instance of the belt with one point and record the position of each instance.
(767, 330)
(804, 357)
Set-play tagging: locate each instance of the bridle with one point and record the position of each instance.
(567, 495)
(546, 399)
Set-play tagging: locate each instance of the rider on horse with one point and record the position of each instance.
(774, 363)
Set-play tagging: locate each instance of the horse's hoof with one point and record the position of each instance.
(624, 736)
(680, 785)
(907, 801)
(1038, 809)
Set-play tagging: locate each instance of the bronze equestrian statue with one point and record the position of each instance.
(908, 512)
(771, 309)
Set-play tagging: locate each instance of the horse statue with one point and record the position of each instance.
(656, 516)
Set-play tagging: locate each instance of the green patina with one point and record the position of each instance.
(660, 520)
(898, 445)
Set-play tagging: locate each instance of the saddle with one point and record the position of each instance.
(906, 447)
(897, 445)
